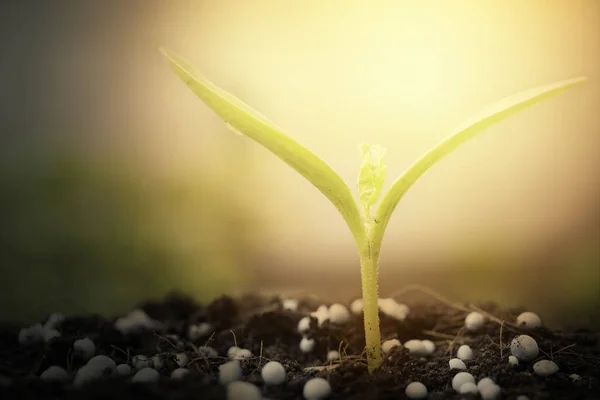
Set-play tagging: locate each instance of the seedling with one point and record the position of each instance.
(367, 227)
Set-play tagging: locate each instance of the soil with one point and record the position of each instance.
(260, 324)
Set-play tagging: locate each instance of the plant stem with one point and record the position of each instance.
(369, 261)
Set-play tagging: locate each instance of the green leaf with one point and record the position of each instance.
(370, 177)
(477, 124)
(244, 120)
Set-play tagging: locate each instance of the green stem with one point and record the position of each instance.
(369, 261)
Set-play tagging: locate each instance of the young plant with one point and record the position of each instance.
(366, 227)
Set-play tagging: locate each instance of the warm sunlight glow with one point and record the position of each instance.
(403, 74)
(334, 74)
(98, 127)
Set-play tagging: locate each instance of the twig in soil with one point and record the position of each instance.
(546, 354)
(446, 336)
(565, 348)
(122, 351)
(511, 326)
(69, 359)
(360, 358)
(301, 293)
(193, 361)
(260, 357)
(340, 350)
(444, 300)
(501, 348)
(596, 358)
(234, 338)
(456, 338)
(495, 344)
(344, 353)
(553, 353)
(209, 339)
(204, 356)
(431, 293)
(168, 341)
(322, 367)
(39, 362)
(453, 322)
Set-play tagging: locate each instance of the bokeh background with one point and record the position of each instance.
(118, 185)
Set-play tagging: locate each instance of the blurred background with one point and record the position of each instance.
(118, 185)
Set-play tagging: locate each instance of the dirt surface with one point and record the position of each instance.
(261, 325)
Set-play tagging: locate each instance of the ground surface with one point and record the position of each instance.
(262, 326)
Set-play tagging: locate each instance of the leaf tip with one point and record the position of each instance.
(165, 53)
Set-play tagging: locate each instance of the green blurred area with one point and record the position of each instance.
(562, 283)
(86, 233)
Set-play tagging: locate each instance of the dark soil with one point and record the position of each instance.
(262, 326)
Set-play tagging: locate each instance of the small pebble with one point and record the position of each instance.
(55, 374)
(316, 389)
(156, 362)
(429, 346)
(304, 324)
(388, 345)
(290, 304)
(307, 345)
(53, 321)
(97, 367)
(545, 368)
(146, 375)
(175, 340)
(490, 392)
(104, 364)
(457, 363)
(333, 355)
(229, 372)
(237, 353)
(207, 351)
(575, 377)
(141, 361)
(179, 373)
(136, 321)
(85, 375)
(123, 370)
(50, 335)
(464, 352)
(468, 388)
(273, 373)
(232, 351)
(242, 354)
(124, 325)
(240, 390)
(393, 309)
(529, 320)
(84, 348)
(460, 379)
(31, 335)
(338, 314)
(484, 382)
(524, 347)
(198, 331)
(357, 306)
(415, 347)
(182, 359)
(474, 321)
(322, 314)
(416, 390)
